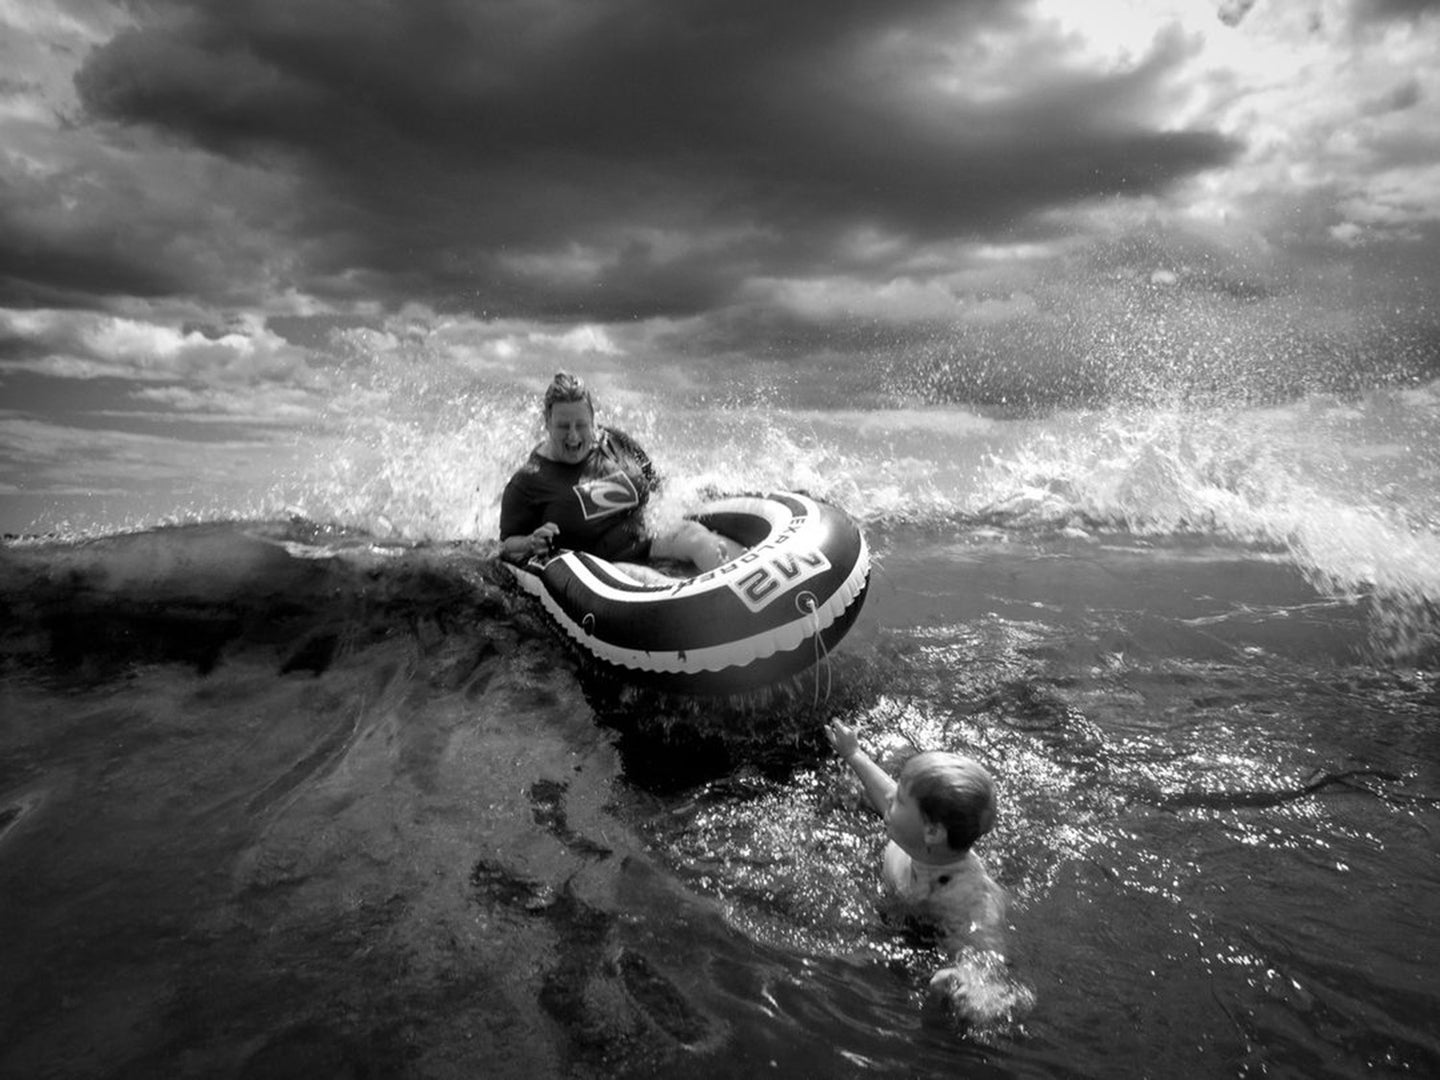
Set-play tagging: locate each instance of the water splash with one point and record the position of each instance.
(1346, 489)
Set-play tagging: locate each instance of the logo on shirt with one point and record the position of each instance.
(606, 495)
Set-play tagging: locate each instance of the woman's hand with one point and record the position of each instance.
(543, 539)
(524, 546)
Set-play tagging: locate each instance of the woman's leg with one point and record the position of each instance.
(694, 543)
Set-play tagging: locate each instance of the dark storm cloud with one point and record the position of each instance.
(48, 271)
(634, 158)
(1395, 9)
(1233, 12)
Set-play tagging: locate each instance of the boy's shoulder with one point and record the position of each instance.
(960, 900)
(963, 887)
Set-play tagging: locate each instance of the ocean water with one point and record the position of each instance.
(293, 784)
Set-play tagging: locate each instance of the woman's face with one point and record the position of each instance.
(570, 428)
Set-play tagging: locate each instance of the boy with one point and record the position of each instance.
(942, 804)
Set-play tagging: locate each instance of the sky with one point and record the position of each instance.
(204, 204)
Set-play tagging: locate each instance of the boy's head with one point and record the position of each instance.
(949, 791)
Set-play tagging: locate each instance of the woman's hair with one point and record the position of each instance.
(953, 791)
(566, 388)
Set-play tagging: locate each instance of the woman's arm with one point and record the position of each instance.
(523, 532)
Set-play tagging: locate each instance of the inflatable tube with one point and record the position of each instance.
(765, 615)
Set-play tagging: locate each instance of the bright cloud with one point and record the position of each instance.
(87, 345)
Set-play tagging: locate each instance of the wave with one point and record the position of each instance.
(1348, 486)
(1338, 486)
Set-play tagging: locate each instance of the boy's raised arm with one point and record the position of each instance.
(877, 783)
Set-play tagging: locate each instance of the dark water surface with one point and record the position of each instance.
(280, 801)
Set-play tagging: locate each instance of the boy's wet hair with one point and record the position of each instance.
(566, 388)
(954, 791)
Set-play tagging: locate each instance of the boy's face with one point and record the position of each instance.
(907, 826)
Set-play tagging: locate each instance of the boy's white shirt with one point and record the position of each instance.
(959, 896)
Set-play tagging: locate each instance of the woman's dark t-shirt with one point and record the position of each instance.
(597, 502)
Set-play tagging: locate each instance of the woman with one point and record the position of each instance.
(585, 487)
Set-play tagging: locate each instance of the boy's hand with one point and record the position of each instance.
(842, 738)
